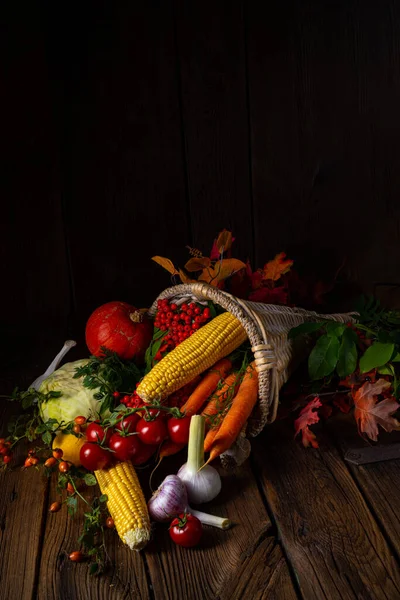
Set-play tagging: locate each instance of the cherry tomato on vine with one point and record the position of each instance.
(7, 458)
(186, 530)
(128, 424)
(178, 430)
(144, 454)
(124, 447)
(152, 432)
(80, 420)
(57, 453)
(96, 433)
(94, 457)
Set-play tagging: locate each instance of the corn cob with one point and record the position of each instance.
(197, 353)
(126, 503)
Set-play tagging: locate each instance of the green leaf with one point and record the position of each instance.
(41, 428)
(90, 479)
(47, 438)
(336, 329)
(375, 356)
(103, 498)
(396, 357)
(304, 328)
(72, 504)
(347, 354)
(323, 358)
(386, 370)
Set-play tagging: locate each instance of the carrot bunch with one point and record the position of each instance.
(219, 439)
(226, 399)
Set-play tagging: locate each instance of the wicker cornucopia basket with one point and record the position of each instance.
(267, 327)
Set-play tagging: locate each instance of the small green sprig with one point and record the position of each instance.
(109, 373)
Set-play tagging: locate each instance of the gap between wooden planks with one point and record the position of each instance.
(329, 534)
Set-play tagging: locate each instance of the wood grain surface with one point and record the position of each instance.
(329, 534)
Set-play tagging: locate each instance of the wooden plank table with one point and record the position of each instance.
(306, 525)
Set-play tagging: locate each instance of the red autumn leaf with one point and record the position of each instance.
(369, 413)
(343, 402)
(214, 254)
(356, 379)
(277, 267)
(256, 280)
(308, 416)
(275, 296)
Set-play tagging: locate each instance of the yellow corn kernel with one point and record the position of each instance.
(193, 356)
(126, 503)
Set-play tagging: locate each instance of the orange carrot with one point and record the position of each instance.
(242, 405)
(169, 448)
(206, 386)
(218, 400)
(210, 437)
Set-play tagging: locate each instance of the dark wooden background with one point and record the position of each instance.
(135, 128)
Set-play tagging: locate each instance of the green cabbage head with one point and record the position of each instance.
(75, 399)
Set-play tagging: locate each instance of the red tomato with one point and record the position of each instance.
(186, 530)
(178, 430)
(145, 452)
(96, 433)
(124, 447)
(94, 457)
(152, 432)
(129, 423)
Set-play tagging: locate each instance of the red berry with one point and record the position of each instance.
(125, 399)
(189, 313)
(184, 307)
(173, 306)
(207, 313)
(197, 310)
(116, 395)
(192, 306)
(195, 326)
(7, 458)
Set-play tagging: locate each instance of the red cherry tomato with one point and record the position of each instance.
(124, 447)
(128, 424)
(144, 454)
(96, 433)
(94, 457)
(178, 430)
(152, 432)
(186, 530)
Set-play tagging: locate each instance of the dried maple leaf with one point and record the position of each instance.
(222, 269)
(277, 267)
(308, 416)
(369, 413)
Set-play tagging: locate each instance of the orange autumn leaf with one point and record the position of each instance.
(166, 264)
(308, 416)
(277, 267)
(369, 413)
(224, 241)
(197, 264)
(185, 278)
(222, 270)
